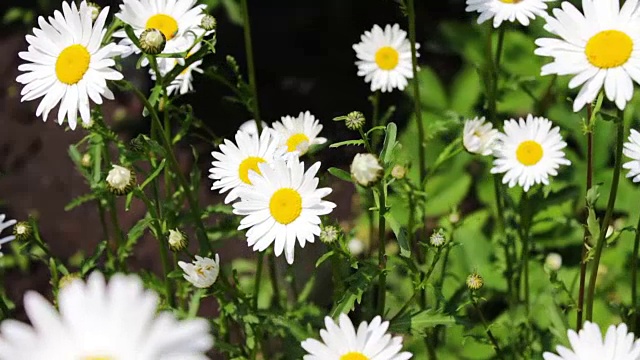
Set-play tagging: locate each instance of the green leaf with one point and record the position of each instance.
(592, 224)
(340, 174)
(324, 258)
(79, 201)
(401, 234)
(465, 91)
(154, 174)
(358, 142)
(417, 323)
(355, 286)
(389, 143)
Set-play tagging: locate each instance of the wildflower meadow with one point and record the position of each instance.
(468, 189)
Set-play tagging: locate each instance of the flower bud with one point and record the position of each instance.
(366, 169)
(399, 172)
(438, 238)
(68, 279)
(553, 261)
(475, 281)
(178, 241)
(94, 10)
(152, 41)
(208, 23)
(22, 231)
(120, 180)
(356, 246)
(355, 120)
(85, 161)
(329, 234)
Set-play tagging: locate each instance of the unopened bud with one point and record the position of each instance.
(22, 231)
(553, 261)
(208, 23)
(366, 169)
(152, 41)
(85, 161)
(355, 120)
(120, 180)
(475, 281)
(329, 234)
(399, 172)
(438, 238)
(94, 10)
(177, 240)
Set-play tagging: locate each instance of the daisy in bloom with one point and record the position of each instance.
(176, 19)
(597, 47)
(384, 58)
(341, 341)
(478, 136)
(67, 64)
(298, 134)
(282, 206)
(588, 344)
(234, 162)
(3, 225)
(100, 320)
(203, 272)
(632, 151)
(528, 152)
(507, 10)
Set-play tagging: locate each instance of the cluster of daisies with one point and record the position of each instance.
(69, 64)
(269, 185)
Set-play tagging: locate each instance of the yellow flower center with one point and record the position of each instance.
(529, 153)
(609, 49)
(72, 64)
(167, 25)
(387, 58)
(295, 140)
(353, 356)
(285, 205)
(250, 163)
(511, 1)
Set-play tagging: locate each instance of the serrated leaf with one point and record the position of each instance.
(389, 143)
(358, 142)
(401, 234)
(79, 201)
(324, 258)
(592, 224)
(355, 286)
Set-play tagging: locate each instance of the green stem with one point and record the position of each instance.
(422, 149)
(382, 257)
(634, 278)
(492, 339)
(274, 280)
(205, 247)
(250, 66)
(585, 239)
(256, 285)
(3, 307)
(607, 217)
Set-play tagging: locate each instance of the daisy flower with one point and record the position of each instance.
(507, 10)
(100, 320)
(233, 163)
(478, 136)
(597, 47)
(3, 225)
(282, 206)
(341, 341)
(632, 151)
(203, 272)
(67, 64)
(384, 58)
(528, 152)
(588, 344)
(298, 134)
(176, 19)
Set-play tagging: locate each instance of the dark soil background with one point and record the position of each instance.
(304, 61)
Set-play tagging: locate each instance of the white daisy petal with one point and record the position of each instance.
(298, 134)
(588, 344)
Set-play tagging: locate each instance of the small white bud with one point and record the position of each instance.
(177, 240)
(202, 272)
(152, 41)
(208, 23)
(553, 261)
(399, 172)
(94, 10)
(366, 169)
(356, 246)
(120, 180)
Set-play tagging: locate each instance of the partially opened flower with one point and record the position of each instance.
(341, 341)
(632, 151)
(3, 225)
(598, 48)
(67, 64)
(479, 136)
(176, 19)
(522, 11)
(251, 127)
(298, 134)
(282, 206)
(588, 344)
(384, 58)
(103, 320)
(234, 162)
(529, 152)
(202, 272)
